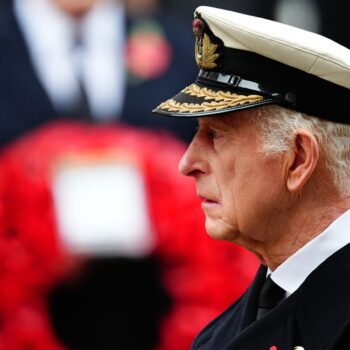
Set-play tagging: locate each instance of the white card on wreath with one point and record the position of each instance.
(101, 209)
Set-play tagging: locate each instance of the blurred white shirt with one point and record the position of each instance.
(99, 61)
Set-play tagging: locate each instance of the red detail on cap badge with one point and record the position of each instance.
(198, 26)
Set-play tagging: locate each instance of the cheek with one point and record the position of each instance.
(259, 197)
(243, 192)
(230, 201)
(221, 223)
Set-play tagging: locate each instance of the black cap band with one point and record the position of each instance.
(248, 86)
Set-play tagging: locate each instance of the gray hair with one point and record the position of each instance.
(278, 127)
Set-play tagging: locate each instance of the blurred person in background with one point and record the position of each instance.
(62, 59)
(59, 59)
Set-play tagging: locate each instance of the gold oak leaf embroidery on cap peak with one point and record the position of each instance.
(208, 94)
(213, 100)
(173, 106)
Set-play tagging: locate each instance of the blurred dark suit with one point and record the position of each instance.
(24, 103)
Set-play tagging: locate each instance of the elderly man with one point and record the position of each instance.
(271, 160)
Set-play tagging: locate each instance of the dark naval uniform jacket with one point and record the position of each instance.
(315, 317)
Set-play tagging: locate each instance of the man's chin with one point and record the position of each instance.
(216, 231)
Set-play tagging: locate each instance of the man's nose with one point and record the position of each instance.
(191, 163)
(185, 164)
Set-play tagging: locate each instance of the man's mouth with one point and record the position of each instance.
(208, 201)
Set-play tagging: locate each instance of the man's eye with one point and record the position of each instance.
(196, 130)
(212, 134)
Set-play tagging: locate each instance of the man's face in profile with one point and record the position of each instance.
(239, 186)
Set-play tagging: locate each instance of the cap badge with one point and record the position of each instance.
(205, 50)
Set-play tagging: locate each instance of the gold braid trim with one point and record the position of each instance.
(208, 94)
(173, 106)
(218, 100)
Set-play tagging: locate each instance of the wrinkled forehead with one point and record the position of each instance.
(233, 119)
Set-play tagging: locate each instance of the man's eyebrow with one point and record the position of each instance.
(203, 122)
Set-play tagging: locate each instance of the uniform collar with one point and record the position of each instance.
(293, 272)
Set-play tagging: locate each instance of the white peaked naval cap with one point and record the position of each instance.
(247, 62)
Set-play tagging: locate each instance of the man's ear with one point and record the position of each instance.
(302, 160)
